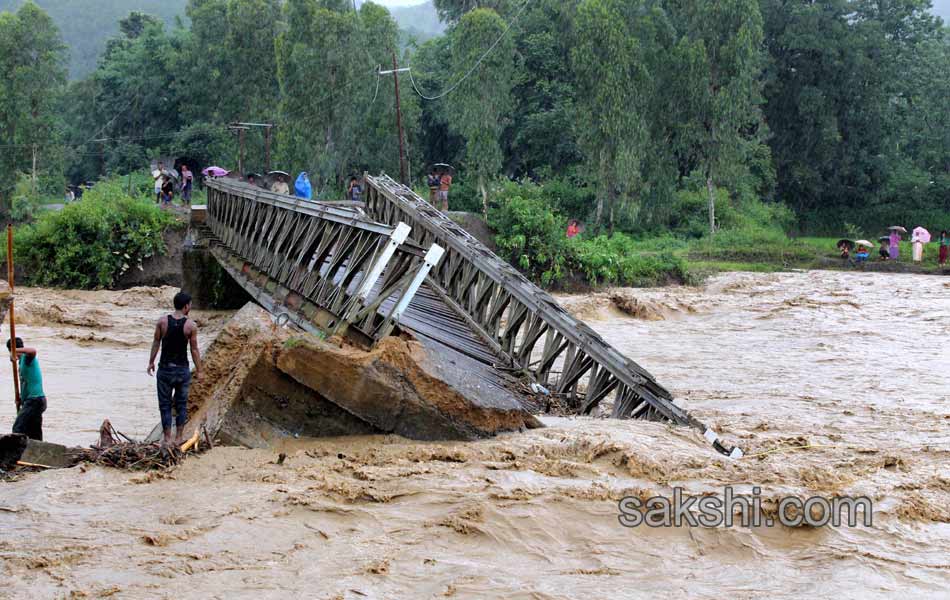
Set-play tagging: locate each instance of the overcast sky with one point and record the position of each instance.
(941, 7)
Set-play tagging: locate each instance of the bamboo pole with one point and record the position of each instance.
(13, 357)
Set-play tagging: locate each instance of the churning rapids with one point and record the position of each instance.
(853, 366)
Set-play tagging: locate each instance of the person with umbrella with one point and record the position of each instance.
(861, 256)
(895, 241)
(433, 182)
(157, 176)
(919, 237)
(883, 252)
(280, 185)
(845, 247)
(215, 172)
(168, 190)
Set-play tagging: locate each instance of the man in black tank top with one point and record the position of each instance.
(174, 334)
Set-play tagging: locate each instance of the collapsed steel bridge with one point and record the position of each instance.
(333, 269)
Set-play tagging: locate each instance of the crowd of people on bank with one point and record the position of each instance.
(168, 182)
(889, 246)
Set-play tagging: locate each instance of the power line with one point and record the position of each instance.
(477, 63)
(111, 121)
(378, 77)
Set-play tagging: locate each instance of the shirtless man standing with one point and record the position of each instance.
(174, 333)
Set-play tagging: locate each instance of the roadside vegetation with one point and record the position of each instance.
(91, 243)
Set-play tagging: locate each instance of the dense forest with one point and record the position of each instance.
(633, 115)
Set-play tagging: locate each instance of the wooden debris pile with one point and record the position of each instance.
(132, 456)
(118, 451)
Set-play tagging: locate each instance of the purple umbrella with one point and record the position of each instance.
(215, 172)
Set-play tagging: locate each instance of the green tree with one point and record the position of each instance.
(319, 62)
(376, 144)
(228, 63)
(722, 44)
(451, 11)
(479, 108)
(32, 75)
(854, 94)
(137, 97)
(542, 141)
(613, 89)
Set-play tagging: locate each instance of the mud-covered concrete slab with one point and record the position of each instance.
(401, 387)
(242, 398)
(261, 383)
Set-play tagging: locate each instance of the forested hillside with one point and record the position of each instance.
(87, 24)
(681, 117)
(420, 21)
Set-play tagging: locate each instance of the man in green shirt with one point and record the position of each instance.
(29, 419)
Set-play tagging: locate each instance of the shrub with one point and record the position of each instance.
(690, 218)
(24, 201)
(90, 244)
(621, 260)
(531, 235)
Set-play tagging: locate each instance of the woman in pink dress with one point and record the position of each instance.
(895, 241)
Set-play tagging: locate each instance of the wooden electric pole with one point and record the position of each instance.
(102, 157)
(241, 128)
(402, 152)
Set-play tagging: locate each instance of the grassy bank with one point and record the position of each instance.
(532, 237)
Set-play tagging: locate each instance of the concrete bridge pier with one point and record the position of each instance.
(210, 286)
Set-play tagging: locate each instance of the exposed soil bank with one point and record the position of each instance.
(162, 270)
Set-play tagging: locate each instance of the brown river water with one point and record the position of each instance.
(853, 366)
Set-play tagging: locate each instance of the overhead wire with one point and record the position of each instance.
(475, 66)
(111, 121)
(379, 69)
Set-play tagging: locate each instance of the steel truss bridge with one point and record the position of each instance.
(398, 264)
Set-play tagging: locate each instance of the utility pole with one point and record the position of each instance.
(267, 149)
(242, 127)
(402, 153)
(241, 156)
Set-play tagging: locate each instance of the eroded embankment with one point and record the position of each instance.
(262, 383)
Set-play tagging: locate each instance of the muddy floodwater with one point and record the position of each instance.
(832, 383)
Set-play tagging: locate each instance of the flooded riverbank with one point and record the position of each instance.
(850, 366)
(93, 349)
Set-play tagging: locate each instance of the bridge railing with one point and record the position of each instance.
(330, 267)
(525, 325)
